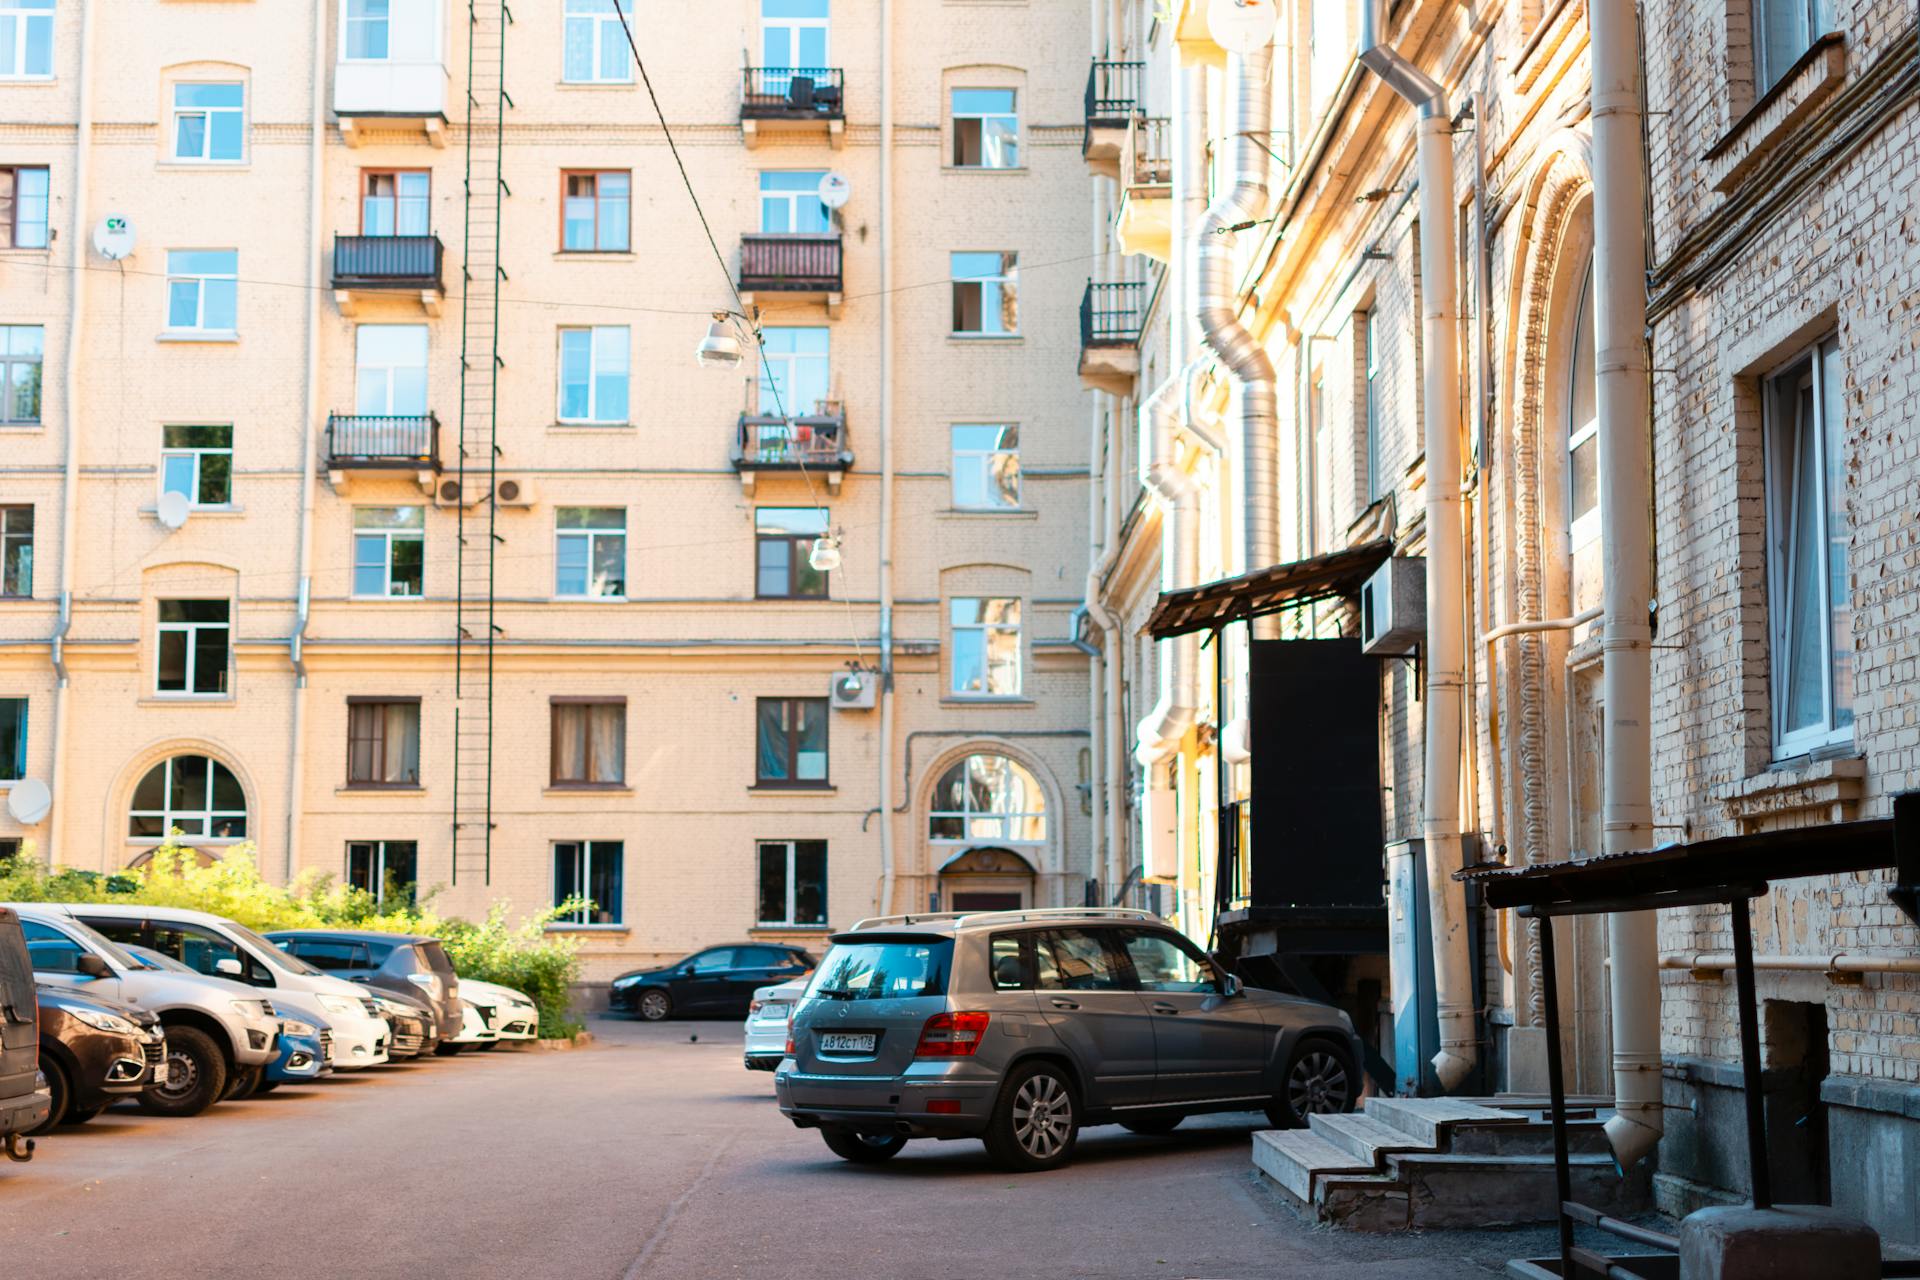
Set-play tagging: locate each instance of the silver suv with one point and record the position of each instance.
(1020, 1027)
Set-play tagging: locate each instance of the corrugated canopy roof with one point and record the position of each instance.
(1264, 591)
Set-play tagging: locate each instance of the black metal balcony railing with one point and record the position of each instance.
(1113, 95)
(387, 262)
(792, 93)
(1110, 313)
(1148, 158)
(410, 442)
(790, 263)
(817, 441)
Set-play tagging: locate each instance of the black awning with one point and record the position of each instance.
(1264, 591)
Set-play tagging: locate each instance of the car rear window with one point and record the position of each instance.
(884, 970)
(16, 971)
(436, 957)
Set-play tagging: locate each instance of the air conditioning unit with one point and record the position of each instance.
(1393, 607)
(854, 690)
(447, 493)
(512, 491)
(1160, 835)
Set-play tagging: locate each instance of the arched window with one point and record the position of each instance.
(196, 794)
(1583, 451)
(988, 798)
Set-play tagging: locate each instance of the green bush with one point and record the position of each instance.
(524, 956)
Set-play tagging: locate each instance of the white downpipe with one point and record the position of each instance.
(310, 406)
(1620, 322)
(1446, 623)
(887, 868)
(1106, 655)
(70, 486)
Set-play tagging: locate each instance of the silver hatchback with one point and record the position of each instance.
(1022, 1027)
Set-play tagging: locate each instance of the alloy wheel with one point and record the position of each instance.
(1318, 1084)
(1042, 1116)
(183, 1075)
(654, 1005)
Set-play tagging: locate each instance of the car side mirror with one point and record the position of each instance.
(92, 966)
(228, 967)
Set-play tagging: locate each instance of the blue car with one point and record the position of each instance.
(306, 1042)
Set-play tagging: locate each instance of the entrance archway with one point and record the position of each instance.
(986, 879)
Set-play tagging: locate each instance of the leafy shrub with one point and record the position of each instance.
(524, 956)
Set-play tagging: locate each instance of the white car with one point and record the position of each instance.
(515, 1016)
(225, 948)
(476, 1025)
(767, 1019)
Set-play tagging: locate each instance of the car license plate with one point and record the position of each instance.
(160, 1072)
(840, 1042)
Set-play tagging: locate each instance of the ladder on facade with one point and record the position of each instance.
(474, 627)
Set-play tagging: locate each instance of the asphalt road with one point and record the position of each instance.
(646, 1156)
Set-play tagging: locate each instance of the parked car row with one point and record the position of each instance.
(178, 1010)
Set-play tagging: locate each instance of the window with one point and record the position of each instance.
(383, 868)
(594, 214)
(396, 203)
(389, 551)
(195, 795)
(21, 348)
(1809, 601)
(209, 122)
(1370, 404)
(197, 463)
(714, 960)
(203, 289)
(793, 34)
(591, 558)
(986, 129)
(369, 30)
(791, 742)
(596, 46)
(16, 551)
(1782, 31)
(23, 208)
(589, 742)
(593, 374)
(985, 286)
(1329, 49)
(333, 955)
(13, 739)
(783, 547)
(49, 950)
(383, 742)
(1583, 455)
(790, 203)
(194, 636)
(199, 948)
(1076, 960)
(794, 368)
(988, 798)
(589, 869)
(1162, 964)
(793, 884)
(986, 468)
(986, 646)
(26, 39)
(390, 370)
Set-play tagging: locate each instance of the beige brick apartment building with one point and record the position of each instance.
(251, 260)
(1782, 254)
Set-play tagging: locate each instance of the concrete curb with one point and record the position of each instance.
(581, 1040)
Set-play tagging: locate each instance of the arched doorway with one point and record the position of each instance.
(989, 835)
(987, 879)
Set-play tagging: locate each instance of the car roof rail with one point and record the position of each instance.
(917, 917)
(1043, 914)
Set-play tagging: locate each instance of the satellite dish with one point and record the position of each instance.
(1241, 26)
(172, 508)
(28, 801)
(113, 237)
(835, 190)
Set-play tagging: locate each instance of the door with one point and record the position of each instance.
(978, 901)
(704, 982)
(1084, 996)
(753, 968)
(1206, 1045)
(19, 1024)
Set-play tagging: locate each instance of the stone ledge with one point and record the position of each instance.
(1863, 1093)
(1779, 111)
(1802, 794)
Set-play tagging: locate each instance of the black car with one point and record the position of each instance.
(94, 1051)
(411, 966)
(25, 1103)
(719, 980)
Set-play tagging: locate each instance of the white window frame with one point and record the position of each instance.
(606, 28)
(983, 458)
(1582, 529)
(195, 454)
(192, 630)
(584, 851)
(201, 279)
(40, 231)
(1808, 20)
(207, 814)
(1007, 278)
(791, 847)
(1010, 820)
(24, 18)
(955, 116)
(955, 684)
(176, 111)
(781, 370)
(1371, 395)
(793, 200)
(593, 332)
(592, 537)
(386, 536)
(10, 361)
(793, 27)
(347, 21)
(373, 363)
(378, 865)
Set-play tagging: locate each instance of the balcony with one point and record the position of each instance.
(389, 93)
(387, 265)
(408, 445)
(815, 443)
(1144, 224)
(797, 267)
(1113, 99)
(793, 100)
(1110, 317)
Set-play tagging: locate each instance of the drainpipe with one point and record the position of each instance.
(296, 643)
(1620, 322)
(885, 902)
(70, 488)
(1445, 650)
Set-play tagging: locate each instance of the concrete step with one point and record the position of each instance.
(1364, 1137)
(1428, 1119)
(1529, 1138)
(1361, 1202)
(1451, 1190)
(1293, 1158)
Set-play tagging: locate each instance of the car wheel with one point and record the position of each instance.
(1152, 1127)
(1320, 1080)
(448, 1049)
(491, 1044)
(655, 1005)
(62, 1096)
(1035, 1123)
(196, 1075)
(266, 1086)
(863, 1148)
(80, 1115)
(245, 1083)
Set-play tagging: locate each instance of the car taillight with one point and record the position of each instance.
(951, 1035)
(755, 1007)
(789, 1044)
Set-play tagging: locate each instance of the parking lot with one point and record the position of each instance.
(649, 1154)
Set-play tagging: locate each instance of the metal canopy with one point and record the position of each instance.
(1252, 595)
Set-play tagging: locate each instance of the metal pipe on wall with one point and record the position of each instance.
(1445, 647)
(885, 219)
